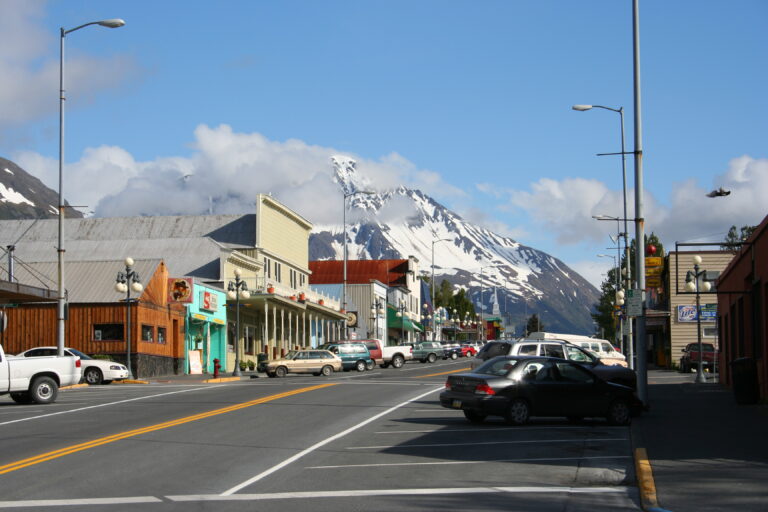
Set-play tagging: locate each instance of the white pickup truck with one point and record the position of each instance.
(37, 379)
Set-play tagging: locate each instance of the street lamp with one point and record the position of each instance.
(125, 282)
(432, 281)
(344, 287)
(61, 299)
(692, 278)
(237, 290)
(401, 315)
(377, 309)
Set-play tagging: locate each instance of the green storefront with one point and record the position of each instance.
(400, 329)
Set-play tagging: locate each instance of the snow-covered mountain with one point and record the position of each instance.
(22, 196)
(516, 280)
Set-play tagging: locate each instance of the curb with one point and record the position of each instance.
(645, 482)
(75, 386)
(130, 381)
(222, 379)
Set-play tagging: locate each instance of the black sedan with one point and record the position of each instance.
(517, 387)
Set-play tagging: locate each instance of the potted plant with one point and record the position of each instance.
(270, 289)
(243, 366)
(293, 297)
(302, 296)
(251, 364)
(321, 302)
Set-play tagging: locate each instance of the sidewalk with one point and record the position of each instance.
(205, 378)
(706, 452)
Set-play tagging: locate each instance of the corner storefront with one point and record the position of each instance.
(205, 328)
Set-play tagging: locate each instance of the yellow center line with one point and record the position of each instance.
(442, 373)
(43, 457)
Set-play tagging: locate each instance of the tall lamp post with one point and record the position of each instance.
(61, 299)
(344, 287)
(432, 280)
(377, 309)
(237, 290)
(125, 282)
(692, 279)
(401, 315)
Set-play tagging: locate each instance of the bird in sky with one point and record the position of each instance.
(719, 192)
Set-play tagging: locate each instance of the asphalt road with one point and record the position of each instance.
(373, 441)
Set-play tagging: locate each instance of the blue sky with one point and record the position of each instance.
(469, 101)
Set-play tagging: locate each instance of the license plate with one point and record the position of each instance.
(456, 404)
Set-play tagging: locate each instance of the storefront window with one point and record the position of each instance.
(161, 335)
(148, 333)
(250, 345)
(108, 332)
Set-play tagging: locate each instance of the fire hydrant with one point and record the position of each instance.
(216, 368)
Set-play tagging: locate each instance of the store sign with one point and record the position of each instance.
(209, 301)
(180, 289)
(688, 313)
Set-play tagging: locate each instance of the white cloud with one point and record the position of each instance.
(29, 63)
(594, 271)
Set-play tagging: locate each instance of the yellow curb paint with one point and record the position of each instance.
(43, 457)
(130, 381)
(223, 379)
(645, 479)
(443, 373)
(74, 386)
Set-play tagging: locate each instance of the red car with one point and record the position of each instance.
(468, 351)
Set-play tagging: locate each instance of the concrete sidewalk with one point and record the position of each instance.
(706, 452)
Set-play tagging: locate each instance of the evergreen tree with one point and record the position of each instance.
(533, 324)
(734, 239)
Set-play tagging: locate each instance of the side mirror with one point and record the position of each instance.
(682, 350)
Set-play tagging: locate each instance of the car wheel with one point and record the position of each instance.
(398, 361)
(271, 375)
(327, 370)
(43, 390)
(360, 366)
(281, 371)
(370, 366)
(384, 365)
(474, 417)
(21, 398)
(619, 413)
(92, 376)
(454, 355)
(518, 412)
(431, 358)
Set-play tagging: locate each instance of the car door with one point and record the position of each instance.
(301, 362)
(543, 388)
(579, 390)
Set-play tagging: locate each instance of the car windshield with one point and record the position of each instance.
(79, 354)
(498, 367)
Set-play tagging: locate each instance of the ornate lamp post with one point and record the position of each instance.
(401, 315)
(125, 282)
(237, 290)
(61, 299)
(692, 279)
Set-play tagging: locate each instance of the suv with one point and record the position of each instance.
(316, 362)
(604, 350)
(353, 355)
(560, 349)
(427, 351)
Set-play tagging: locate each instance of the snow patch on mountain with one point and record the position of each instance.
(8, 195)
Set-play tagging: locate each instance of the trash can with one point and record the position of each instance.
(261, 362)
(745, 387)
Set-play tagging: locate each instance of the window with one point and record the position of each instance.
(278, 272)
(498, 368)
(550, 350)
(231, 337)
(161, 337)
(527, 350)
(148, 333)
(572, 373)
(267, 268)
(709, 332)
(574, 354)
(249, 347)
(108, 332)
(318, 354)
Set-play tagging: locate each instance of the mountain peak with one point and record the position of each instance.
(345, 174)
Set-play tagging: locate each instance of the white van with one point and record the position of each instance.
(602, 348)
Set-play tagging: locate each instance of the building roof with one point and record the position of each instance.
(86, 281)
(389, 272)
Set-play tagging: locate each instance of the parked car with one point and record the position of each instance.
(427, 351)
(468, 350)
(353, 355)
(316, 362)
(385, 355)
(37, 379)
(690, 360)
(95, 371)
(603, 349)
(561, 349)
(451, 351)
(518, 387)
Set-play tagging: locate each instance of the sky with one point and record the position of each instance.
(195, 106)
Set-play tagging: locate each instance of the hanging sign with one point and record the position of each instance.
(209, 301)
(180, 289)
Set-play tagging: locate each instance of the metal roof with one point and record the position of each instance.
(86, 281)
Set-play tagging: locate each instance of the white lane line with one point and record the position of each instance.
(399, 492)
(83, 501)
(457, 462)
(575, 440)
(492, 429)
(434, 410)
(322, 443)
(99, 405)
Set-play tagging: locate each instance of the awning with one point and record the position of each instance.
(399, 322)
(418, 327)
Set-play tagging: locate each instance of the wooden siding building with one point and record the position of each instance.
(96, 316)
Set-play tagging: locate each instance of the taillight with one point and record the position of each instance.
(77, 363)
(484, 389)
(448, 385)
